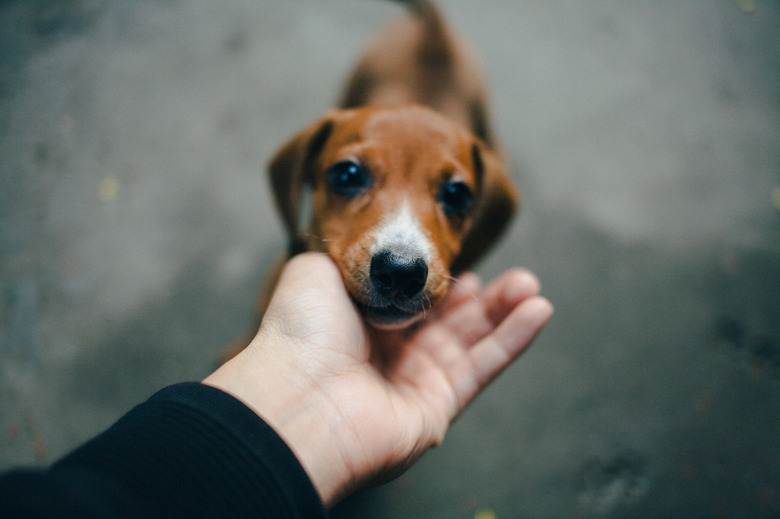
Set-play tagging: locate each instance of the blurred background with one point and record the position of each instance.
(136, 227)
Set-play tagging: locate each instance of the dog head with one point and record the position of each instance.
(401, 199)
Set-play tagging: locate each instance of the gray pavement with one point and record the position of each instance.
(136, 225)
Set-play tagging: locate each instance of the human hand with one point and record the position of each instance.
(357, 405)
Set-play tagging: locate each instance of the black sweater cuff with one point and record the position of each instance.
(189, 451)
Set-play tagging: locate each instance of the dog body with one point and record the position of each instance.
(406, 188)
(418, 60)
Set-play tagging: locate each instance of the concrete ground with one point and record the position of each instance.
(136, 225)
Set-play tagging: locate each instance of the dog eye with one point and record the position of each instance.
(348, 178)
(455, 197)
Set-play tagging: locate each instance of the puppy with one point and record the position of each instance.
(404, 183)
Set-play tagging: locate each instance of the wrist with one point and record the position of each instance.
(275, 388)
(317, 442)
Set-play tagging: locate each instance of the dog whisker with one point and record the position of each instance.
(425, 304)
(311, 235)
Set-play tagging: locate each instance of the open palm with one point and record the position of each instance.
(387, 395)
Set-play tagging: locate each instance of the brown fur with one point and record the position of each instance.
(414, 113)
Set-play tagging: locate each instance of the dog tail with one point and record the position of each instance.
(436, 46)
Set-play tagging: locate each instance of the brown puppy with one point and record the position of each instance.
(406, 188)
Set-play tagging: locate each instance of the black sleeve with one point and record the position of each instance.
(189, 451)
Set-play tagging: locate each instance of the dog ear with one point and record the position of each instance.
(290, 172)
(497, 201)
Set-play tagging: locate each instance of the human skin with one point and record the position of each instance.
(359, 406)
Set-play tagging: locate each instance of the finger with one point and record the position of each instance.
(474, 319)
(309, 270)
(310, 275)
(462, 289)
(490, 356)
(310, 299)
(509, 290)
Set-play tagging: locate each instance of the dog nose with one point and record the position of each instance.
(396, 277)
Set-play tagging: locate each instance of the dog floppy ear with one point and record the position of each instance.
(497, 201)
(290, 172)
